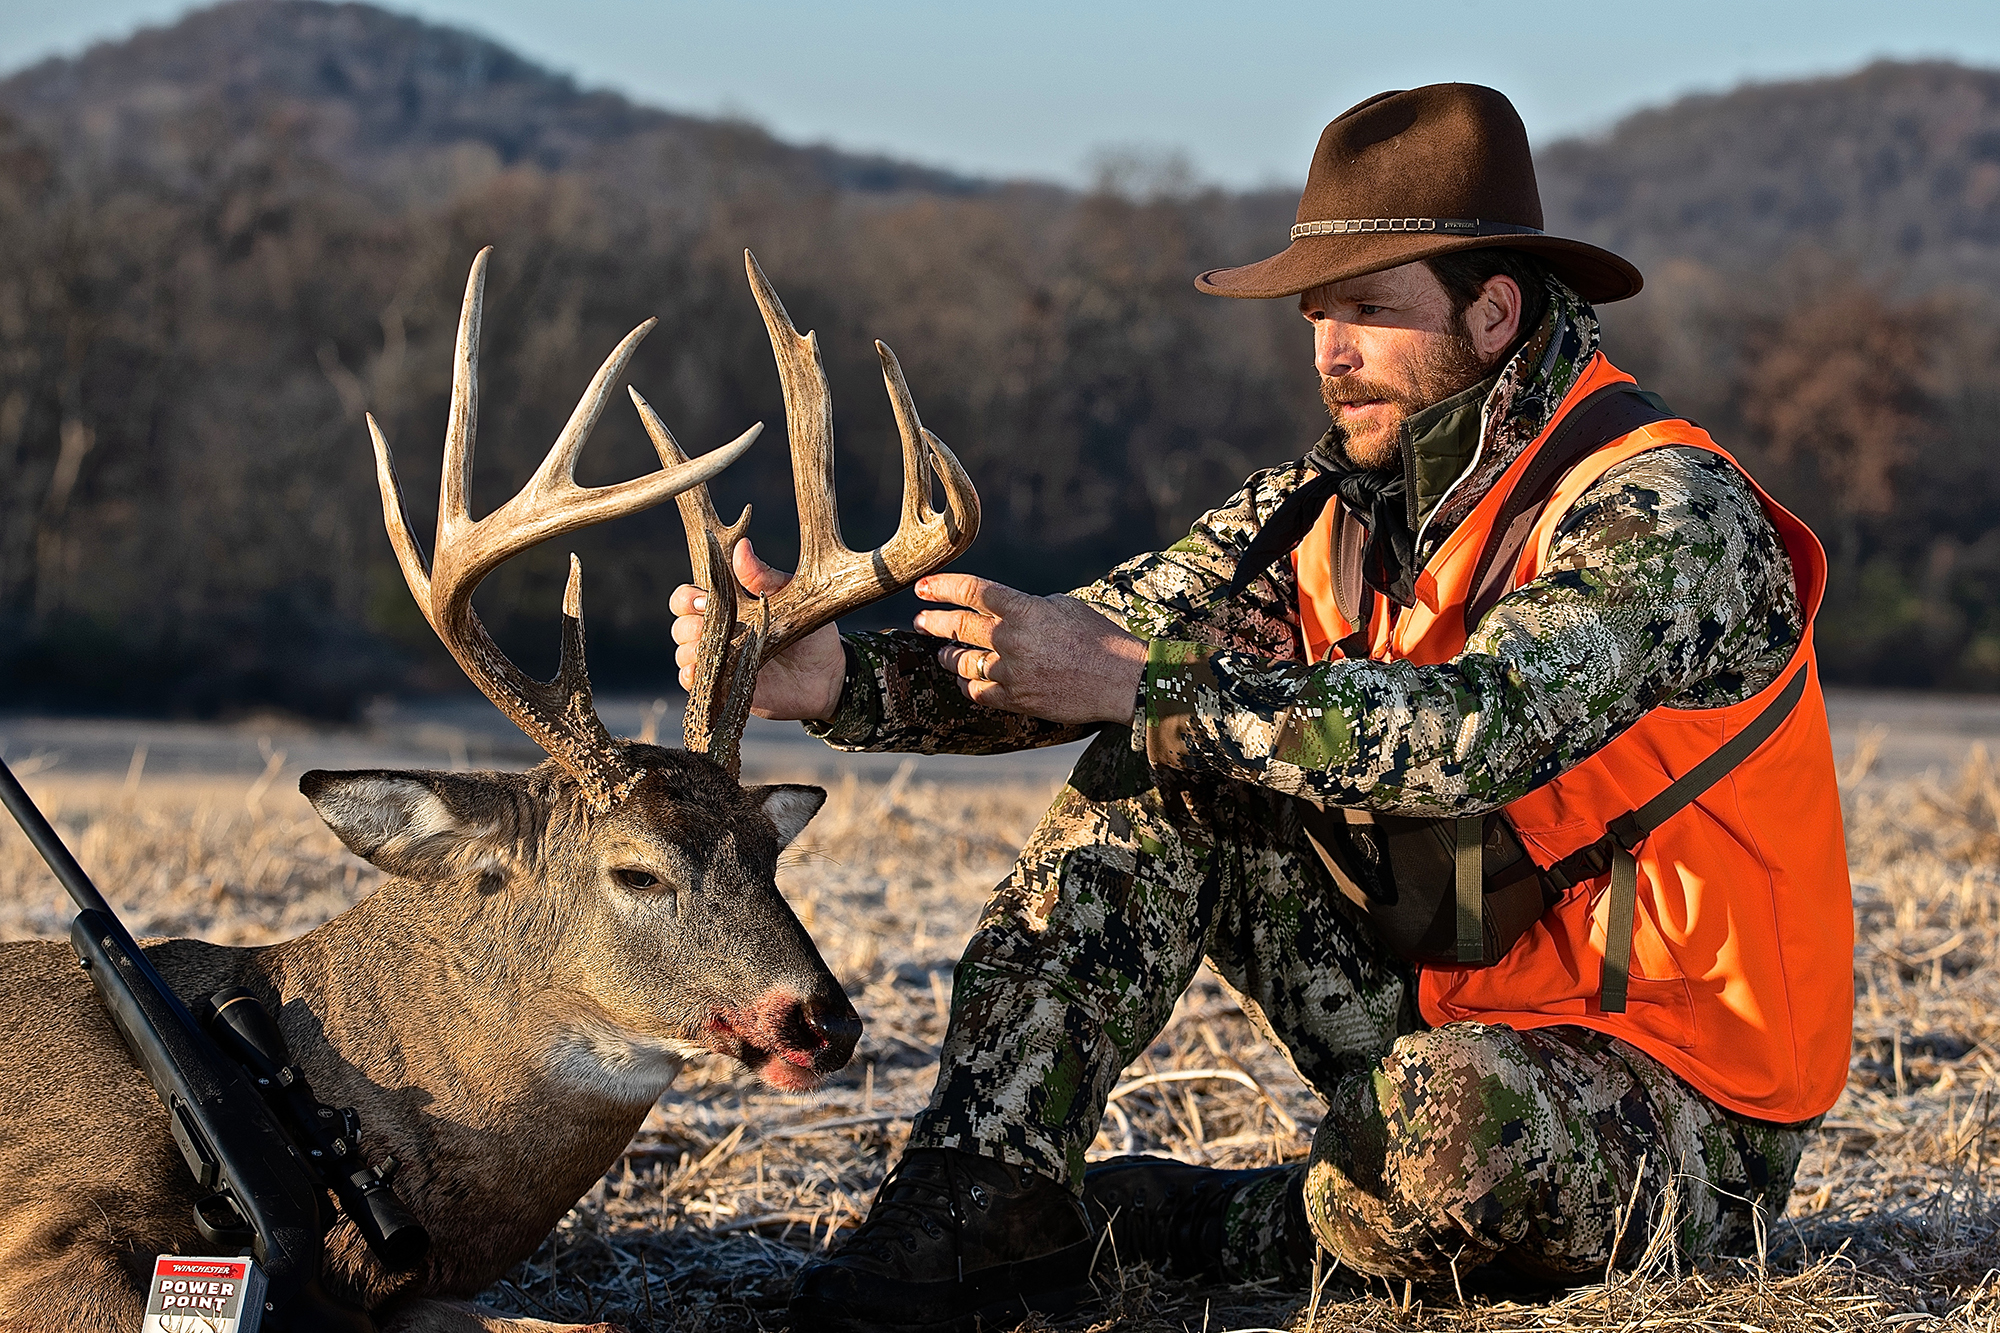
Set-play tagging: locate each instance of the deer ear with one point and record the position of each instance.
(415, 824)
(790, 806)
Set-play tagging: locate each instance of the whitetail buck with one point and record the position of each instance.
(548, 945)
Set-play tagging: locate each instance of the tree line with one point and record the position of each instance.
(188, 515)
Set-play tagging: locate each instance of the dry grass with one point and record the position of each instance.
(729, 1186)
(216, 858)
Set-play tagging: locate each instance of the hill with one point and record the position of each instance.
(231, 236)
(1896, 166)
(389, 99)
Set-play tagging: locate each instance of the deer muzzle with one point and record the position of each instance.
(791, 1041)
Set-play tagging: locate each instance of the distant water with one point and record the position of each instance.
(454, 733)
(1908, 734)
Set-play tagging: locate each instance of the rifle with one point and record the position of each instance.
(266, 1150)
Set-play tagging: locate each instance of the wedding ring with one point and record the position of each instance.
(985, 660)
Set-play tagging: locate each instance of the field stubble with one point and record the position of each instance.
(729, 1186)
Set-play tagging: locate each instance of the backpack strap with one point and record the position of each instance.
(1607, 414)
(1624, 834)
(1469, 863)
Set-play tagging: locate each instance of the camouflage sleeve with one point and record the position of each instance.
(899, 697)
(1182, 592)
(1665, 583)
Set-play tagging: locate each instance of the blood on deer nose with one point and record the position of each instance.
(814, 1033)
(833, 1020)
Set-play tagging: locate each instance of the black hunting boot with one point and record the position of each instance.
(952, 1243)
(1201, 1222)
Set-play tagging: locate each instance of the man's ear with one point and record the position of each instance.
(422, 825)
(790, 806)
(1494, 317)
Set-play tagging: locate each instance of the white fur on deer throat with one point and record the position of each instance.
(619, 1065)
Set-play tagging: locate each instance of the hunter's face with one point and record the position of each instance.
(1387, 345)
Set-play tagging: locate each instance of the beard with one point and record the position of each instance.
(1449, 365)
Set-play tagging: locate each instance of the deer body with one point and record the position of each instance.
(501, 1012)
(549, 945)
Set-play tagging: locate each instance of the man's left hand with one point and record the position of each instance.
(1049, 657)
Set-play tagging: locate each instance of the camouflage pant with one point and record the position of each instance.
(1442, 1149)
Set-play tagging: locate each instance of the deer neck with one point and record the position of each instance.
(403, 987)
(457, 1063)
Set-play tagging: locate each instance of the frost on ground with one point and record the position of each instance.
(729, 1186)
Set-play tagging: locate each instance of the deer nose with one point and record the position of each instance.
(835, 1027)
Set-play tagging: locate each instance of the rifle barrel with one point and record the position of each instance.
(50, 844)
(81, 891)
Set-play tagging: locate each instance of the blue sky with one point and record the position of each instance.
(1038, 88)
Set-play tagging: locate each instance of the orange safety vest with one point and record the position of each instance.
(1742, 960)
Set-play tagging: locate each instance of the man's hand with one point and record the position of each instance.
(1049, 657)
(800, 684)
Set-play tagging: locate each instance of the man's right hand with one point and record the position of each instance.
(800, 684)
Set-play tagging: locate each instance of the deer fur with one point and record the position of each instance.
(502, 1011)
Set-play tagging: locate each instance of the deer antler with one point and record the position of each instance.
(738, 635)
(557, 715)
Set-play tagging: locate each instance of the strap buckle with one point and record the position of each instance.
(1627, 831)
(1582, 864)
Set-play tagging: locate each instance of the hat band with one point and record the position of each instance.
(1449, 226)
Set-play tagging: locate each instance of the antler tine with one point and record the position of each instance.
(739, 635)
(832, 579)
(920, 450)
(462, 425)
(572, 676)
(718, 703)
(558, 714)
(552, 502)
(809, 423)
(396, 517)
(697, 509)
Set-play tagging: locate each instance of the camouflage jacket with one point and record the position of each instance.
(1666, 583)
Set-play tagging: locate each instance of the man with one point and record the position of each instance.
(1462, 601)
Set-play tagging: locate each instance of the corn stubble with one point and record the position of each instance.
(729, 1187)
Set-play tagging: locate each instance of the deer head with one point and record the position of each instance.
(620, 941)
(627, 889)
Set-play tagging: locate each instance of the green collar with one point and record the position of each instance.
(1438, 445)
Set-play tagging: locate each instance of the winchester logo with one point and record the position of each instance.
(192, 1295)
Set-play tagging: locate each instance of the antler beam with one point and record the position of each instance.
(557, 715)
(738, 634)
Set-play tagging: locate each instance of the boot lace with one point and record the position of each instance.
(912, 1201)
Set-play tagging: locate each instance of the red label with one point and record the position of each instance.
(213, 1268)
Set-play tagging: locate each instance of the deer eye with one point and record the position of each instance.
(633, 878)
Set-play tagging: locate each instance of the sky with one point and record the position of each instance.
(1052, 90)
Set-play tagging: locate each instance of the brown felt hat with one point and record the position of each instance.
(1407, 175)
